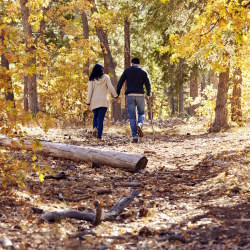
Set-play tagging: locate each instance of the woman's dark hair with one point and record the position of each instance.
(97, 72)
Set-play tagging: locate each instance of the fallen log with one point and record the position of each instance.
(131, 162)
(94, 218)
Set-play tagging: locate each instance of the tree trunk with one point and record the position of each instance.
(236, 115)
(108, 59)
(213, 79)
(126, 65)
(85, 27)
(42, 99)
(193, 90)
(9, 95)
(25, 94)
(203, 82)
(221, 111)
(127, 43)
(181, 100)
(130, 162)
(171, 97)
(31, 49)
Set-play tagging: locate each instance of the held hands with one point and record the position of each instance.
(118, 99)
(87, 107)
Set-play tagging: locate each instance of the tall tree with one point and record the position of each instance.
(213, 79)
(109, 61)
(126, 62)
(203, 81)
(181, 100)
(31, 50)
(85, 27)
(9, 95)
(25, 94)
(221, 111)
(126, 42)
(236, 113)
(193, 89)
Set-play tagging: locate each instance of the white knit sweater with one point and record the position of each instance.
(98, 92)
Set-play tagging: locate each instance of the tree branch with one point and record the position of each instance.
(246, 5)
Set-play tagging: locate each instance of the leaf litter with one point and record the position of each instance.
(194, 192)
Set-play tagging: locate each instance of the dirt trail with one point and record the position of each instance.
(194, 192)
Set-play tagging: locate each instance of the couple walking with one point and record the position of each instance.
(98, 96)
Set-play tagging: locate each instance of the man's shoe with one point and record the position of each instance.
(139, 129)
(135, 140)
(99, 140)
(94, 132)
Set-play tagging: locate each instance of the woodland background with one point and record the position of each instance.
(49, 47)
(196, 53)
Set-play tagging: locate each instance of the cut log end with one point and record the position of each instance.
(141, 164)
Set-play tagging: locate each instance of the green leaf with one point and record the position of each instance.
(38, 143)
(239, 41)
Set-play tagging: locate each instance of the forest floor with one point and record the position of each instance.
(194, 191)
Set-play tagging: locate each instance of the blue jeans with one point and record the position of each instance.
(132, 103)
(98, 120)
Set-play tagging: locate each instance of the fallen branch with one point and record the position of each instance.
(93, 218)
(37, 210)
(83, 233)
(129, 184)
(61, 198)
(59, 176)
(131, 162)
(177, 237)
(119, 206)
(104, 191)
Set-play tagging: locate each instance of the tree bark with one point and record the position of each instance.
(130, 162)
(193, 90)
(221, 111)
(127, 43)
(126, 65)
(31, 49)
(181, 101)
(25, 94)
(85, 27)
(171, 97)
(42, 99)
(9, 95)
(213, 79)
(236, 115)
(109, 61)
(203, 82)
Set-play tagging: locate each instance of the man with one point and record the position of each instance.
(136, 77)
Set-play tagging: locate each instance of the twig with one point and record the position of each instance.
(213, 26)
(129, 184)
(246, 5)
(61, 198)
(151, 116)
(83, 233)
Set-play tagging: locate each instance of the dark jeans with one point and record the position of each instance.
(99, 114)
(134, 102)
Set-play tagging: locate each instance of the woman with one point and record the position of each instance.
(98, 97)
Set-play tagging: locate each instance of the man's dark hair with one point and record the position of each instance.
(136, 60)
(97, 72)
